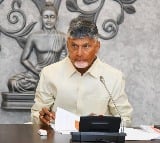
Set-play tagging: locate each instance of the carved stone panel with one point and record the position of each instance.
(48, 47)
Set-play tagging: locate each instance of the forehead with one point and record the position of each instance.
(48, 12)
(81, 40)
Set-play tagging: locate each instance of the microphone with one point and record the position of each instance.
(111, 98)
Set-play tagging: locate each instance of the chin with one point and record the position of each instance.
(49, 27)
(81, 65)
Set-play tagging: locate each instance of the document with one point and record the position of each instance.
(65, 121)
(139, 134)
(150, 129)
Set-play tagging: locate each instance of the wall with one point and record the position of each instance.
(135, 51)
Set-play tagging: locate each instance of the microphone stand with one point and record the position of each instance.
(110, 95)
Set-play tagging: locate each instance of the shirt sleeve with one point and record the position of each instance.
(44, 97)
(120, 100)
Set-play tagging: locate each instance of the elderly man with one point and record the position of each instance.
(76, 83)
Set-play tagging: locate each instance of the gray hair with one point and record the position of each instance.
(80, 28)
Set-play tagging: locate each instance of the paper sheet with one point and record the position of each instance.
(65, 121)
(150, 129)
(138, 134)
(42, 132)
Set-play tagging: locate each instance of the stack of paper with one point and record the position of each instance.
(150, 129)
(65, 121)
(138, 134)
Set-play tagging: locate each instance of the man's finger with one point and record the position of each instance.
(46, 111)
(53, 115)
(48, 118)
(41, 113)
(44, 120)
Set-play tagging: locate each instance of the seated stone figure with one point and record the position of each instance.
(49, 47)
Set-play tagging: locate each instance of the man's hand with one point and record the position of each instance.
(46, 116)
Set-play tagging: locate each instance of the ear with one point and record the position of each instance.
(97, 46)
(67, 42)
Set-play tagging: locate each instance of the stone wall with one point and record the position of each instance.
(135, 51)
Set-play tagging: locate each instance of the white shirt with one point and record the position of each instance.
(61, 85)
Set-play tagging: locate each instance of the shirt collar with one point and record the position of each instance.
(93, 70)
(70, 69)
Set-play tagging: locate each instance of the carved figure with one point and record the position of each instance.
(49, 47)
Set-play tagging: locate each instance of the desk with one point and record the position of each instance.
(25, 133)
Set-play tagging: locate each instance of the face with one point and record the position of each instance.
(49, 18)
(82, 51)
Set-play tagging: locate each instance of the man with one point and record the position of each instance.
(49, 46)
(76, 83)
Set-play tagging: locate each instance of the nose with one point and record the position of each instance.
(49, 18)
(79, 52)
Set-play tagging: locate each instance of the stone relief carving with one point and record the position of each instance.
(25, 83)
(109, 25)
(1, 1)
(13, 18)
(49, 46)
